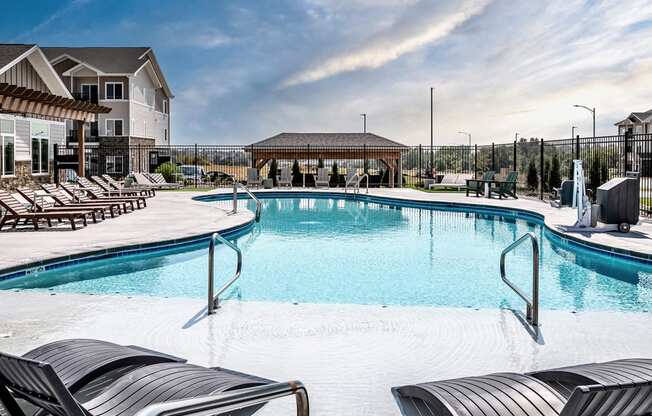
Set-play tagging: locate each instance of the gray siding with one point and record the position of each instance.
(23, 74)
(23, 132)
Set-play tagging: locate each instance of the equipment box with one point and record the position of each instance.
(619, 200)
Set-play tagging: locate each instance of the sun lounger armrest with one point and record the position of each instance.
(230, 401)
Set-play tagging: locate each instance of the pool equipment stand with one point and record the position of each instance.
(580, 200)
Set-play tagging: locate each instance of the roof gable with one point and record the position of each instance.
(13, 54)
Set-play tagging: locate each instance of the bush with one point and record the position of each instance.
(532, 176)
(320, 163)
(546, 176)
(335, 177)
(555, 173)
(169, 171)
(296, 170)
(273, 171)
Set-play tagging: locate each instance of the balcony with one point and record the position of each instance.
(79, 96)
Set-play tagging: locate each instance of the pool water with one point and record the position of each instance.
(325, 250)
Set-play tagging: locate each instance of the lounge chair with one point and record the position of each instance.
(619, 388)
(63, 199)
(477, 186)
(507, 187)
(96, 192)
(43, 203)
(144, 181)
(159, 179)
(119, 186)
(80, 195)
(451, 181)
(322, 178)
(40, 383)
(16, 211)
(253, 179)
(109, 190)
(285, 178)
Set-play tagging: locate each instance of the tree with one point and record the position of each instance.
(555, 173)
(273, 168)
(595, 173)
(532, 176)
(296, 171)
(366, 166)
(320, 163)
(169, 171)
(335, 177)
(546, 176)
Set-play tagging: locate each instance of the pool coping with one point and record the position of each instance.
(118, 251)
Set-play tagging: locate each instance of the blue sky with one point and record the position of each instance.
(245, 70)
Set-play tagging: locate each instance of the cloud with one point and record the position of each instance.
(199, 34)
(421, 25)
(74, 4)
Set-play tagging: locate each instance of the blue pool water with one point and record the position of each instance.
(346, 251)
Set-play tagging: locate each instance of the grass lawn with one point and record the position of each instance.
(451, 190)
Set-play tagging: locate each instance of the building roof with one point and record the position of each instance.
(637, 117)
(9, 52)
(110, 60)
(327, 139)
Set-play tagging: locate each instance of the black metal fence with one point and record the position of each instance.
(541, 165)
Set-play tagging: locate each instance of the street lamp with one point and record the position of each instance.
(364, 118)
(468, 134)
(592, 110)
(573, 132)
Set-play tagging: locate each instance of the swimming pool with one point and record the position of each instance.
(332, 250)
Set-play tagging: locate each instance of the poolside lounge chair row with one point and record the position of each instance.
(74, 203)
(83, 377)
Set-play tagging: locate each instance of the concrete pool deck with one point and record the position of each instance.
(175, 215)
(347, 355)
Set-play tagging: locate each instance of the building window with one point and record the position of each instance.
(166, 110)
(89, 92)
(7, 143)
(165, 135)
(114, 164)
(114, 127)
(113, 90)
(40, 147)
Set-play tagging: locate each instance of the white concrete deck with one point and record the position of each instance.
(348, 356)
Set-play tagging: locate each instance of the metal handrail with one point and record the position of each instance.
(231, 401)
(237, 184)
(214, 300)
(532, 311)
(357, 184)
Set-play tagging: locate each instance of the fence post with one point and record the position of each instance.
(419, 161)
(515, 169)
(195, 165)
(627, 138)
(541, 170)
(475, 162)
(493, 156)
(577, 147)
(308, 161)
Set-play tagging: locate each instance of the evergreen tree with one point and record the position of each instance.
(335, 177)
(320, 163)
(532, 176)
(296, 171)
(273, 168)
(555, 173)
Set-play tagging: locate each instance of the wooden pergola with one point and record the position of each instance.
(346, 146)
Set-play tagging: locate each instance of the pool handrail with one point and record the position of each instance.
(358, 178)
(214, 299)
(532, 310)
(237, 184)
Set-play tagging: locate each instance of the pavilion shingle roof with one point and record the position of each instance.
(327, 139)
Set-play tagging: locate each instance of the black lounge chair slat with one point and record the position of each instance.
(618, 388)
(63, 199)
(75, 363)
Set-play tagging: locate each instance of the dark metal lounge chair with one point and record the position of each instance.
(44, 205)
(511, 394)
(173, 386)
(16, 211)
(95, 192)
(473, 185)
(118, 186)
(507, 187)
(108, 190)
(63, 199)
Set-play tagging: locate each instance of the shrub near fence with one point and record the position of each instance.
(545, 163)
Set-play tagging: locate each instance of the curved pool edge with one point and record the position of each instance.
(517, 212)
(118, 251)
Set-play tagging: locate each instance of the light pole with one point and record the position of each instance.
(516, 136)
(573, 132)
(432, 122)
(467, 134)
(592, 110)
(364, 121)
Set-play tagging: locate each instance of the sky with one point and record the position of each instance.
(243, 70)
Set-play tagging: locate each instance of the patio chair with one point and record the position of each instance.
(162, 385)
(322, 178)
(622, 388)
(80, 195)
(43, 203)
(507, 187)
(253, 179)
(478, 187)
(97, 193)
(285, 178)
(159, 179)
(109, 190)
(16, 211)
(63, 199)
(120, 186)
